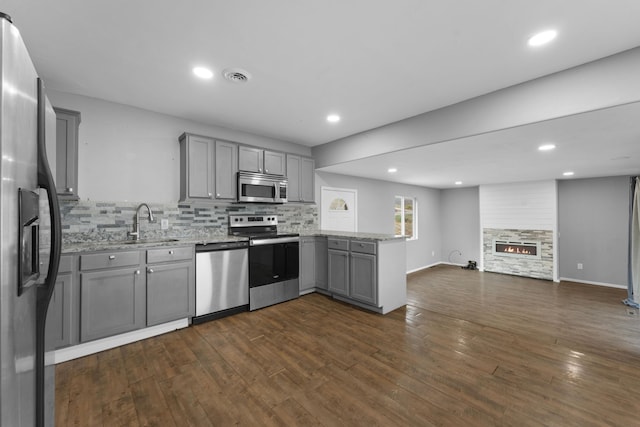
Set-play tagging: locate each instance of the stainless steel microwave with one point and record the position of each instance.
(262, 188)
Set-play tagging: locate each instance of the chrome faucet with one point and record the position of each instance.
(136, 222)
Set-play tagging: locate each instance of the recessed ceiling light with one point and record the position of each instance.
(202, 72)
(542, 38)
(333, 118)
(392, 170)
(458, 182)
(568, 173)
(546, 147)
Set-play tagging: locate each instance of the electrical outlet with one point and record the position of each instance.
(579, 266)
(164, 223)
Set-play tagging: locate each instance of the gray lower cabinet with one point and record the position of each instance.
(62, 318)
(112, 294)
(353, 269)
(321, 267)
(307, 276)
(363, 283)
(170, 284)
(338, 269)
(313, 264)
(111, 302)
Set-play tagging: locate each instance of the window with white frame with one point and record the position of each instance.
(406, 214)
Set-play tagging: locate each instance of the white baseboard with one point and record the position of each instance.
(587, 282)
(85, 349)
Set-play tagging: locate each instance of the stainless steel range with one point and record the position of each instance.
(273, 259)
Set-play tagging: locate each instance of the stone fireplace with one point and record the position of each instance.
(526, 253)
(527, 250)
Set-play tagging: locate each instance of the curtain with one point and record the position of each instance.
(633, 289)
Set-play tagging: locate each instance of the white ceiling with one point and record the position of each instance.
(372, 62)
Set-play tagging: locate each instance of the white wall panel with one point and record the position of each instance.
(527, 205)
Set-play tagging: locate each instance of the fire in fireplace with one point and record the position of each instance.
(517, 249)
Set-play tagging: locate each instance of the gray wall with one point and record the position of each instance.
(460, 224)
(593, 226)
(129, 154)
(376, 213)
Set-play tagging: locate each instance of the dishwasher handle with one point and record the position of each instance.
(221, 246)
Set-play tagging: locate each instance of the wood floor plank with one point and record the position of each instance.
(151, 406)
(470, 348)
(120, 412)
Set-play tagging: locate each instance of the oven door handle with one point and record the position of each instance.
(276, 240)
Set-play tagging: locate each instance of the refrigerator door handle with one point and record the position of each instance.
(45, 180)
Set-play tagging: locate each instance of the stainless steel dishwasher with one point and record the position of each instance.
(222, 280)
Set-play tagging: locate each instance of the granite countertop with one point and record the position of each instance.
(144, 243)
(351, 235)
(103, 245)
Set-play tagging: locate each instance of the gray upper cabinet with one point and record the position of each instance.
(67, 127)
(274, 163)
(300, 173)
(196, 167)
(207, 168)
(307, 174)
(252, 159)
(226, 161)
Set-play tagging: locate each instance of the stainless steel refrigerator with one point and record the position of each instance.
(27, 237)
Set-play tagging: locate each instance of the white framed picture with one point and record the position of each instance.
(339, 209)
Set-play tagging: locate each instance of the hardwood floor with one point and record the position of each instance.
(469, 349)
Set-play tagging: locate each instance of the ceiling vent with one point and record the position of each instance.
(236, 75)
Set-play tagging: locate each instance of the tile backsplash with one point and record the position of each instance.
(84, 220)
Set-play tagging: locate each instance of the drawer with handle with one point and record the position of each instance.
(109, 260)
(363, 247)
(340, 244)
(169, 254)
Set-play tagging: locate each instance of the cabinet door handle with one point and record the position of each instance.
(361, 245)
(217, 194)
(170, 252)
(69, 189)
(150, 270)
(210, 194)
(137, 272)
(112, 257)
